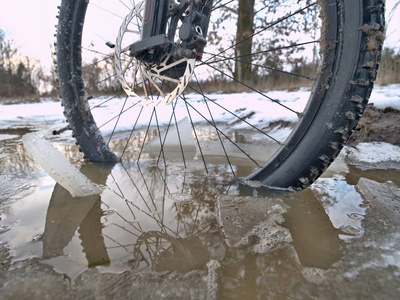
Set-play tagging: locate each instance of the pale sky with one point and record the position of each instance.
(31, 24)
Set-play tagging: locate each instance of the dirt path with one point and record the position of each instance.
(378, 125)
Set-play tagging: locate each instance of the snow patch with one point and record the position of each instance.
(375, 155)
(255, 108)
(4, 137)
(386, 96)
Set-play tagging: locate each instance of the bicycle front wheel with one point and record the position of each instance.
(323, 54)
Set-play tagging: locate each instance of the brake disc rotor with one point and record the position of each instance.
(147, 85)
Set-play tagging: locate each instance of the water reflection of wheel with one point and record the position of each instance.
(163, 252)
(150, 223)
(134, 220)
(349, 43)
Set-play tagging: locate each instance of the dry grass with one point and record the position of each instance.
(268, 83)
(386, 77)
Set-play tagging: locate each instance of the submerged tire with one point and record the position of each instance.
(72, 92)
(353, 43)
(350, 42)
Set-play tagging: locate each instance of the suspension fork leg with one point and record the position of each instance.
(195, 17)
(205, 22)
(153, 39)
(155, 18)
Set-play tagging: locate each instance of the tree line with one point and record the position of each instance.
(22, 78)
(389, 69)
(263, 60)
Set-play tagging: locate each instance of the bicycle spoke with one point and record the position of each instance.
(213, 122)
(256, 65)
(137, 189)
(106, 10)
(116, 123)
(132, 130)
(216, 128)
(105, 57)
(159, 221)
(114, 241)
(194, 130)
(105, 101)
(145, 137)
(255, 90)
(127, 7)
(101, 81)
(179, 137)
(222, 5)
(147, 188)
(236, 116)
(159, 136)
(216, 3)
(173, 116)
(265, 29)
(117, 116)
(277, 48)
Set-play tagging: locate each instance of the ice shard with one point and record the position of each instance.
(57, 166)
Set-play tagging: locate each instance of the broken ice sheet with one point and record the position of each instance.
(56, 165)
(242, 218)
(342, 203)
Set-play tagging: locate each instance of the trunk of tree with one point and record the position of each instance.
(244, 40)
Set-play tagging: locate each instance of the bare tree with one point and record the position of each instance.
(244, 40)
(7, 52)
(15, 74)
(264, 30)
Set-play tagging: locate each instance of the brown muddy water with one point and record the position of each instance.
(176, 233)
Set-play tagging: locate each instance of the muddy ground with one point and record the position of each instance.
(377, 125)
(338, 239)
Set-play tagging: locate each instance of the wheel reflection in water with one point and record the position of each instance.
(149, 220)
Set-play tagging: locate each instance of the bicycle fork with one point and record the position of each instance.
(176, 28)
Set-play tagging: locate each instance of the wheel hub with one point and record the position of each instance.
(152, 71)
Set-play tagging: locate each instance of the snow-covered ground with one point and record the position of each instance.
(386, 96)
(253, 107)
(263, 112)
(375, 155)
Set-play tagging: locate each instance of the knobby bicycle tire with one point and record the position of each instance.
(350, 46)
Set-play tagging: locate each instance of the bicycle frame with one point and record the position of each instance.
(160, 24)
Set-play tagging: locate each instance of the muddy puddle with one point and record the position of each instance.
(177, 233)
